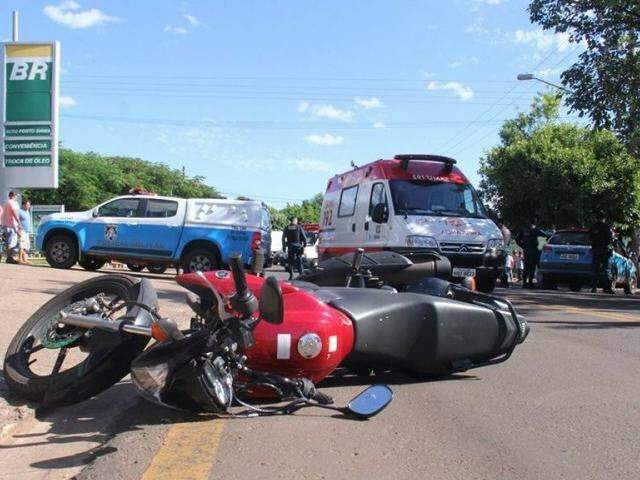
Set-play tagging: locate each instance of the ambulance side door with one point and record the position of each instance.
(377, 232)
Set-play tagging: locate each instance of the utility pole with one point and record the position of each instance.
(15, 27)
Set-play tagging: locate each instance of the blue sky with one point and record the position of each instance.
(270, 98)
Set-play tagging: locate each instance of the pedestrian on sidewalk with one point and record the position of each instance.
(24, 242)
(11, 224)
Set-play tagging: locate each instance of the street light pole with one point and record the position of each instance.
(531, 76)
(15, 26)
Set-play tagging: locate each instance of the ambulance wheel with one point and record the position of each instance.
(135, 268)
(61, 251)
(486, 284)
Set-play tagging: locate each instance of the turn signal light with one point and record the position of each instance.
(158, 333)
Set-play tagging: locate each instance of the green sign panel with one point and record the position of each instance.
(29, 115)
(27, 160)
(28, 131)
(27, 145)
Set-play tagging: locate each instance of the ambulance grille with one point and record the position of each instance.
(461, 247)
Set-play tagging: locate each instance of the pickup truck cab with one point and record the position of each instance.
(194, 234)
(414, 205)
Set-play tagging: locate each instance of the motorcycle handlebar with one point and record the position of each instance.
(237, 269)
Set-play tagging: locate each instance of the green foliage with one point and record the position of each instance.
(307, 212)
(562, 173)
(87, 179)
(605, 82)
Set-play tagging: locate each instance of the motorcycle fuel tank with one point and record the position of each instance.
(311, 342)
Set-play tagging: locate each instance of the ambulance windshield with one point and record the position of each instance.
(425, 197)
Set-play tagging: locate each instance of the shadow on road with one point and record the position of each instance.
(91, 421)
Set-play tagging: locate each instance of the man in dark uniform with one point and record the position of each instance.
(528, 241)
(601, 238)
(293, 242)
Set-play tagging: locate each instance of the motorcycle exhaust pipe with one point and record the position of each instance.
(96, 321)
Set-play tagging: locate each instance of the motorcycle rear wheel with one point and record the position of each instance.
(40, 334)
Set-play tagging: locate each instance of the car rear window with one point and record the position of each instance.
(570, 238)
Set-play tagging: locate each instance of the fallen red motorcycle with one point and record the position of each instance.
(251, 338)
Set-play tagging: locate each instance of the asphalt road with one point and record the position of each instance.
(564, 406)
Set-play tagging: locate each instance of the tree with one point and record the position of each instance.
(87, 179)
(307, 212)
(562, 173)
(605, 83)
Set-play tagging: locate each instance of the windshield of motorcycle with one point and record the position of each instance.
(426, 197)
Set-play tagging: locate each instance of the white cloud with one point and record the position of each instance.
(428, 74)
(177, 30)
(373, 102)
(325, 111)
(192, 19)
(462, 91)
(68, 13)
(379, 125)
(66, 101)
(456, 64)
(542, 40)
(327, 139)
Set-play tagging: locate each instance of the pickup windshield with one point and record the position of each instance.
(425, 197)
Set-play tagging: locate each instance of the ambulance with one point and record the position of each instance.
(413, 205)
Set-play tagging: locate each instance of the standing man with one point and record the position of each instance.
(601, 238)
(506, 233)
(293, 242)
(507, 275)
(528, 241)
(24, 239)
(11, 224)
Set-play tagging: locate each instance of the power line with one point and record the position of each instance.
(458, 151)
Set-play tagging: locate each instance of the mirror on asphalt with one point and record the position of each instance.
(371, 401)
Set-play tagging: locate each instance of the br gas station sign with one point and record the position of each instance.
(29, 108)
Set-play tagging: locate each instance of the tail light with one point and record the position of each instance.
(256, 240)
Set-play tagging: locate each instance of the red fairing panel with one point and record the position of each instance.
(276, 346)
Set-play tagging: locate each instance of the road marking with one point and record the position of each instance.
(585, 311)
(188, 452)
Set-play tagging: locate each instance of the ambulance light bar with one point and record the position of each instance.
(406, 158)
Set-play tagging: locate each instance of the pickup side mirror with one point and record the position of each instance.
(94, 212)
(380, 213)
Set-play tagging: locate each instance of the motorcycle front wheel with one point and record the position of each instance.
(58, 364)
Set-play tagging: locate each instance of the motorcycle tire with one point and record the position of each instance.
(92, 264)
(78, 382)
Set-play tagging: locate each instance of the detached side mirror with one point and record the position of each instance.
(371, 401)
(380, 213)
(94, 213)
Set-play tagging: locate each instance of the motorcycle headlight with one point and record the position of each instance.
(421, 241)
(495, 243)
(309, 345)
(218, 383)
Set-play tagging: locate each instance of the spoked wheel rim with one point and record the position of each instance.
(60, 252)
(200, 263)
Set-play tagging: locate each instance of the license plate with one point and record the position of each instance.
(570, 256)
(463, 272)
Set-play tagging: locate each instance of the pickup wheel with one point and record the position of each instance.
(61, 251)
(92, 264)
(135, 268)
(157, 268)
(200, 260)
